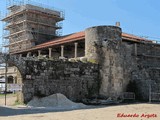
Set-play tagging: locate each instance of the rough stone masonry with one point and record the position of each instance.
(114, 66)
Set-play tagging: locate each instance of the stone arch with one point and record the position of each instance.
(19, 63)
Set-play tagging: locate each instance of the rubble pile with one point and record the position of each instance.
(55, 101)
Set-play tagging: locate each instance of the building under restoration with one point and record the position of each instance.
(30, 25)
(99, 62)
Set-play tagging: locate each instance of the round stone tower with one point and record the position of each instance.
(96, 38)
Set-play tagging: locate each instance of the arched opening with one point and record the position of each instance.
(18, 79)
(14, 79)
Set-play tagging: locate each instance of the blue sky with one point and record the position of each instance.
(139, 17)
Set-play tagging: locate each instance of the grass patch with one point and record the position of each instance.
(1, 95)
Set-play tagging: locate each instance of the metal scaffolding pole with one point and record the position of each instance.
(6, 57)
(6, 80)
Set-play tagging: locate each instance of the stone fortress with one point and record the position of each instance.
(99, 62)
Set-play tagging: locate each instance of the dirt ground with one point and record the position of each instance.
(134, 112)
(10, 99)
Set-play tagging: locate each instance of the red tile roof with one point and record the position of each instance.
(76, 37)
(57, 41)
(62, 40)
(132, 37)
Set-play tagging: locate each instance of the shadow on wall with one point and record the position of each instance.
(133, 87)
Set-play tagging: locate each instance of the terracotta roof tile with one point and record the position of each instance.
(132, 37)
(61, 40)
(57, 41)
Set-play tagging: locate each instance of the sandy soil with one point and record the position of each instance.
(141, 111)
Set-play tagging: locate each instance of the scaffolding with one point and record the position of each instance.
(28, 24)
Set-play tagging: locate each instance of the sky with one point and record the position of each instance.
(139, 17)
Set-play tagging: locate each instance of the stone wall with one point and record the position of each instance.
(104, 46)
(75, 80)
(114, 66)
(117, 66)
(124, 65)
(147, 74)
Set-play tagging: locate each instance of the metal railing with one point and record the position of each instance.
(155, 96)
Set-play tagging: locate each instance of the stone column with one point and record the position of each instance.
(62, 51)
(39, 52)
(50, 52)
(28, 54)
(75, 52)
(20, 56)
